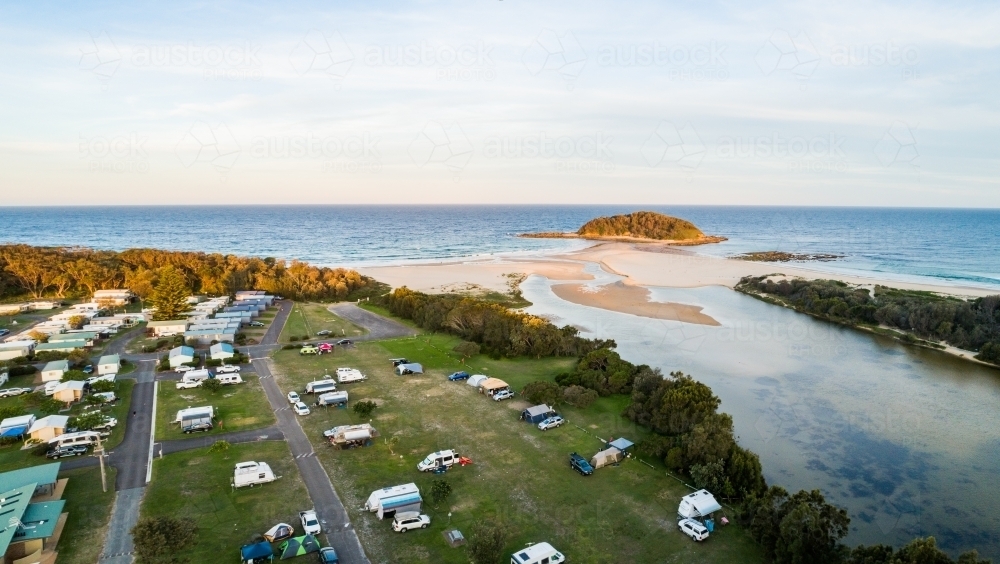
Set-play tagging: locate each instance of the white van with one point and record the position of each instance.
(437, 459)
(541, 553)
(321, 386)
(345, 375)
(252, 473)
(79, 438)
(229, 378)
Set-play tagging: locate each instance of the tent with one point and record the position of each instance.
(410, 368)
(606, 457)
(621, 444)
(698, 504)
(256, 553)
(537, 413)
(476, 379)
(493, 385)
(298, 546)
(279, 532)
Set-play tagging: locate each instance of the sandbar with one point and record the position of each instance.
(634, 300)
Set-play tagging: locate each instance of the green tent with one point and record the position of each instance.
(298, 546)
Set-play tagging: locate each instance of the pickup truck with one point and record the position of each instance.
(310, 523)
(580, 464)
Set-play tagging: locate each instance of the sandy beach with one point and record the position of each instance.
(631, 299)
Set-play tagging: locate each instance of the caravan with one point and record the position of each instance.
(345, 375)
(252, 474)
(697, 505)
(229, 379)
(320, 386)
(387, 501)
(349, 436)
(332, 398)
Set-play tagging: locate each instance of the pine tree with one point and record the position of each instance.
(170, 295)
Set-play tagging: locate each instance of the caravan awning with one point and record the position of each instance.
(14, 431)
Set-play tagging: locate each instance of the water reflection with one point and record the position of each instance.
(906, 439)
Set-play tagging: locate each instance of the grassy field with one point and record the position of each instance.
(237, 407)
(196, 485)
(89, 511)
(521, 475)
(308, 318)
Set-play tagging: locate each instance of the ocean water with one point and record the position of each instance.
(933, 245)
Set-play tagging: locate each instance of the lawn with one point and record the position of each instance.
(195, 485)
(308, 318)
(521, 475)
(89, 511)
(237, 407)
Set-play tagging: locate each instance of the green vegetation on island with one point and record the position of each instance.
(638, 226)
(921, 318)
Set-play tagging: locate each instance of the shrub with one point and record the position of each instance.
(467, 349)
(102, 386)
(213, 362)
(22, 370)
(219, 446)
(440, 490)
(578, 396)
(548, 393)
(11, 411)
(364, 408)
(156, 539)
(486, 543)
(211, 385)
(70, 375)
(293, 338)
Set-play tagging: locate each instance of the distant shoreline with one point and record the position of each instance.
(703, 240)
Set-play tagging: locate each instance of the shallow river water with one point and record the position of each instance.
(907, 439)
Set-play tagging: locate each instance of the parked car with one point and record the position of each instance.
(89, 369)
(398, 361)
(323, 333)
(187, 385)
(4, 332)
(227, 369)
(693, 529)
(109, 422)
(551, 423)
(502, 395)
(256, 324)
(11, 392)
(64, 451)
(293, 398)
(407, 520)
(324, 348)
(301, 408)
(50, 388)
(198, 427)
(327, 555)
(439, 459)
(580, 464)
(183, 368)
(308, 349)
(459, 376)
(345, 342)
(310, 523)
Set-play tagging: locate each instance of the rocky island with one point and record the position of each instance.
(639, 227)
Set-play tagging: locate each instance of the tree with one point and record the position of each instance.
(548, 393)
(440, 490)
(170, 295)
(157, 539)
(71, 375)
(486, 543)
(467, 349)
(102, 386)
(578, 396)
(211, 385)
(798, 529)
(76, 321)
(88, 421)
(364, 408)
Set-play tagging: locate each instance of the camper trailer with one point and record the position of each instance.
(332, 398)
(350, 436)
(387, 501)
(252, 474)
(229, 379)
(537, 554)
(697, 505)
(195, 419)
(346, 375)
(321, 386)
(193, 378)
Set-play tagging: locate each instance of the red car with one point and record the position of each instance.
(324, 348)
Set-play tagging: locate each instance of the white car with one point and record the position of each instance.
(189, 384)
(551, 423)
(693, 529)
(50, 388)
(502, 395)
(310, 522)
(227, 369)
(109, 422)
(183, 368)
(407, 520)
(293, 398)
(10, 392)
(301, 408)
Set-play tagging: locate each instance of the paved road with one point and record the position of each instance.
(329, 508)
(378, 327)
(118, 541)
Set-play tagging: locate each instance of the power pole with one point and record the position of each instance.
(100, 457)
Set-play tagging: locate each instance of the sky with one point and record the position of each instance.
(500, 101)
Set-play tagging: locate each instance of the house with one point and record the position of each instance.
(109, 364)
(15, 427)
(44, 304)
(16, 349)
(48, 427)
(13, 309)
(62, 346)
(206, 336)
(115, 296)
(167, 328)
(87, 336)
(180, 355)
(31, 501)
(491, 386)
(53, 371)
(69, 392)
(221, 351)
(537, 414)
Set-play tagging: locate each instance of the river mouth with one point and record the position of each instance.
(906, 439)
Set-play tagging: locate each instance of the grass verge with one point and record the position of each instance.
(89, 511)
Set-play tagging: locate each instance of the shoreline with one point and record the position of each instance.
(703, 240)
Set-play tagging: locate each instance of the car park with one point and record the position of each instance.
(183, 368)
(308, 349)
(301, 408)
(310, 523)
(327, 555)
(11, 392)
(502, 395)
(407, 520)
(65, 451)
(551, 423)
(293, 398)
(459, 376)
(580, 464)
(227, 369)
(693, 529)
(345, 342)
(323, 333)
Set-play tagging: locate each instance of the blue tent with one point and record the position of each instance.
(621, 444)
(14, 431)
(257, 552)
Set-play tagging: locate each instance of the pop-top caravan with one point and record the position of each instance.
(387, 501)
(251, 474)
(697, 505)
